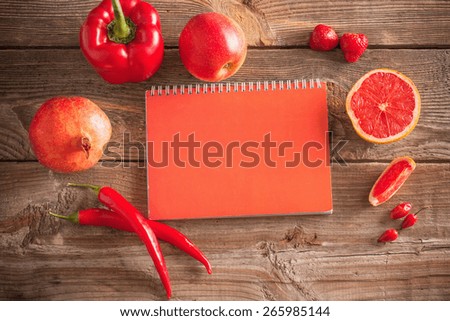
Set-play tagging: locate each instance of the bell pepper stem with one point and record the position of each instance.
(121, 29)
(95, 188)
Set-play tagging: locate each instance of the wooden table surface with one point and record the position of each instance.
(332, 257)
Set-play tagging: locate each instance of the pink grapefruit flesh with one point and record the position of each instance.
(383, 106)
(392, 178)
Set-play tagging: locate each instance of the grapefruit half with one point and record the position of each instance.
(391, 180)
(383, 106)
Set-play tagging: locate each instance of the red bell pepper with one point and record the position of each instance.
(122, 40)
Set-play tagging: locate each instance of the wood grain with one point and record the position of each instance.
(30, 77)
(416, 23)
(332, 257)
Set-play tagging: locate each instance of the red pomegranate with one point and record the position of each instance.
(68, 134)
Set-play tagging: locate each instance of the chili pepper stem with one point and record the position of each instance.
(414, 217)
(423, 208)
(95, 188)
(71, 218)
(121, 29)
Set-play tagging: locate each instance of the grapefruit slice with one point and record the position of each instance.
(384, 106)
(391, 180)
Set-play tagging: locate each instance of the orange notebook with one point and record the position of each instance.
(237, 149)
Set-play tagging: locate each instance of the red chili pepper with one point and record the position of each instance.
(388, 236)
(122, 40)
(117, 203)
(401, 210)
(411, 219)
(103, 217)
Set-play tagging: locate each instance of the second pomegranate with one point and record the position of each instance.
(212, 46)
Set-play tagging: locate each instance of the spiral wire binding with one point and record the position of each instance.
(235, 87)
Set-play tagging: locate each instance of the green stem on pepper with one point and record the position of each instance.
(117, 203)
(121, 29)
(95, 188)
(104, 217)
(71, 218)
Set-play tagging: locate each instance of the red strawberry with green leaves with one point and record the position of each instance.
(323, 38)
(353, 45)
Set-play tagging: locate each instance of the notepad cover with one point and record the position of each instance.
(243, 151)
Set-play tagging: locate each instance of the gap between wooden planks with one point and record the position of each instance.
(30, 77)
(266, 23)
(282, 258)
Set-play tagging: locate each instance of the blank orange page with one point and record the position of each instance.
(237, 153)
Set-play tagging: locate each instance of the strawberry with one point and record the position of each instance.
(323, 38)
(353, 45)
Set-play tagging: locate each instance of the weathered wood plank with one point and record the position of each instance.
(332, 257)
(29, 77)
(416, 23)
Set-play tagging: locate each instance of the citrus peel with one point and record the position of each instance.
(391, 179)
(383, 106)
